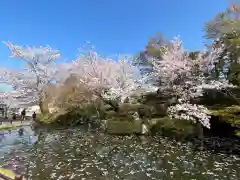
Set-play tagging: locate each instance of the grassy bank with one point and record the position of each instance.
(12, 126)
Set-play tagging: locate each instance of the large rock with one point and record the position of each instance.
(175, 128)
(124, 127)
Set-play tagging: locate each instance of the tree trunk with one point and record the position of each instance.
(43, 105)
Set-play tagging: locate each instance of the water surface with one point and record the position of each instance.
(79, 154)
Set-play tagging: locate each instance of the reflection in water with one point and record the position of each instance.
(87, 155)
(20, 131)
(14, 148)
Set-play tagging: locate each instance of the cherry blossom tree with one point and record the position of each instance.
(108, 78)
(40, 71)
(176, 73)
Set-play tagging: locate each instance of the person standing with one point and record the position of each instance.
(14, 117)
(23, 114)
(34, 116)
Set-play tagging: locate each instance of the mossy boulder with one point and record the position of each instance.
(178, 129)
(229, 115)
(123, 127)
(77, 115)
(225, 121)
(126, 110)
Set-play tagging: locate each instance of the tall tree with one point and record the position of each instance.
(156, 46)
(224, 29)
(40, 71)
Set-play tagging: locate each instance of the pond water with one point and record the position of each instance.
(80, 154)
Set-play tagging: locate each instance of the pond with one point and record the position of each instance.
(81, 154)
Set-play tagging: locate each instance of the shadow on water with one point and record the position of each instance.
(81, 154)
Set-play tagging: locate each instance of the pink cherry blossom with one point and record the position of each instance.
(109, 78)
(184, 78)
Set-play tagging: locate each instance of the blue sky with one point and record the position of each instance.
(113, 26)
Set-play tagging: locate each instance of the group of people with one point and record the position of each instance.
(23, 116)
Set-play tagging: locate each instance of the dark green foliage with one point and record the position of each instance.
(146, 111)
(223, 98)
(193, 55)
(81, 115)
(44, 118)
(237, 133)
(231, 42)
(157, 103)
(225, 29)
